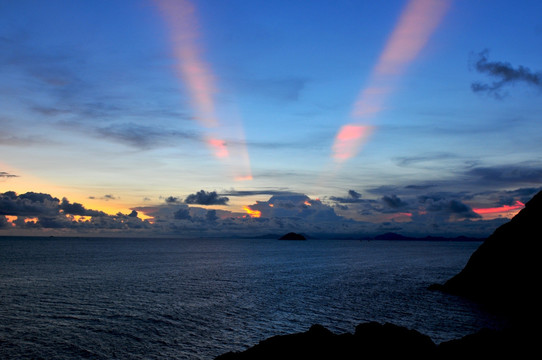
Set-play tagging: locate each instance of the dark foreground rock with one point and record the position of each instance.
(292, 236)
(376, 341)
(504, 272)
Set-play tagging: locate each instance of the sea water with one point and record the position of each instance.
(65, 298)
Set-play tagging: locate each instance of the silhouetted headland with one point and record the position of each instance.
(292, 236)
(373, 340)
(502, 274)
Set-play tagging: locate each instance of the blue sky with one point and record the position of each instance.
(167, 108)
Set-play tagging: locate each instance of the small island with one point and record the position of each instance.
(292, 236)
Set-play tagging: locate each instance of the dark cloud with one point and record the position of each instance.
(28, 204)
(173, 200)
(505, 74)
(419, 187)
(508, 175)
(3, 222)
(211, 216)
(352, 197)
(445, 207)
(203, 197)
(270, 192)
(78, 209)
(182, 214)
(394, 202)
(4, 174)
(51, 213)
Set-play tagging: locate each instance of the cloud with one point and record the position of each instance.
(436, 205)
(182, 214)
(4, 174)
(43, 211)
(508, 174)
(394, 202)
(203, 197)
(173, 200)
(29, 204)
(505, 74)
(78, 209)
(144, 137)
(271, 192)
(352, 197)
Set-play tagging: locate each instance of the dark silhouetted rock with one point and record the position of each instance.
(292, 236)
(504, 272)
(371, 340)
(376, 341)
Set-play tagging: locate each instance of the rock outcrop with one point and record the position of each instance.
(376, 341)
(504, 272)
(370, 339)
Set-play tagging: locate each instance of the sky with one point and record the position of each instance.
(245, 118)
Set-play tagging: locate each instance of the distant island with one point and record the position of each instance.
(292, 236)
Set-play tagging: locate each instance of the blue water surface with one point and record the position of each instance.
(65, 298)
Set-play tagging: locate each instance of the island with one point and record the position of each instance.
(292, 236)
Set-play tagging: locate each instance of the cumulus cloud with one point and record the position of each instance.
(505, 74)
(43, 211)
(172, 200)
(203, 197)
(28, 204)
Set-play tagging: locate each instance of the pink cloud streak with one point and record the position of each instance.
(417, 22)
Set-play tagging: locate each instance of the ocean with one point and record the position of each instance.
(66, 298)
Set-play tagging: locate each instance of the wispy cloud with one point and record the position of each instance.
(505, 74)
(4, 174)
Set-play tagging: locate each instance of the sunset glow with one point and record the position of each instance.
(252, 213)
(349, 140)
(501, 209)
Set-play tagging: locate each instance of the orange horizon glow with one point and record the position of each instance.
(417, 22)
(252, 213)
